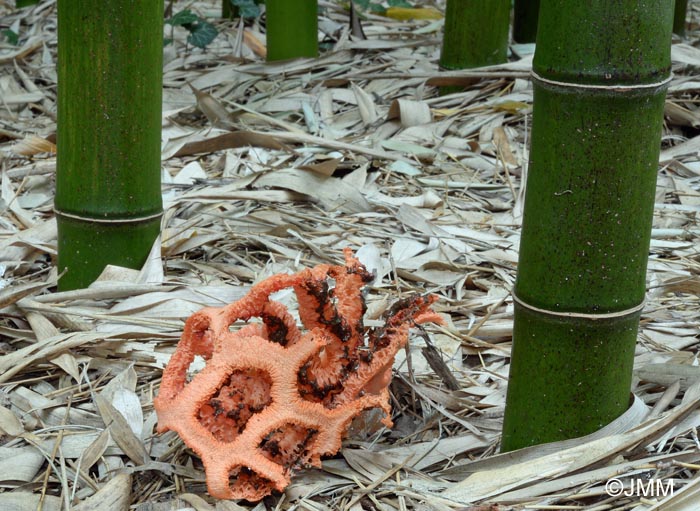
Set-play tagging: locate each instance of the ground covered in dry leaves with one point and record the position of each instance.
(274, 168)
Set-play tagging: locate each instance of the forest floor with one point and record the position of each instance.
(294, 162)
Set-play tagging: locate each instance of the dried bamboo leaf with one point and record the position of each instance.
(325, 168)
(9, 423)
(252, 41)
(230, 141)
(685, 499)
(368, 110)
(27, 501)
(16, 361)
(409, 113)
(680, 115)
(115, 495)
(213, 110)
(67, 362)
(19, 464)
(95, 450)
(333, 193)
(668, 374)
(487, 483)
(13, 294)
(197, 502)
(121, 432)
(33, 145)
(32, 44)
(587, 478)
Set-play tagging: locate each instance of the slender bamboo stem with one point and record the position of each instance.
(525, 14)
(476, 33)
(292, 29)
(108, 199)
(226, 9)
(600, 78)
(679, 14)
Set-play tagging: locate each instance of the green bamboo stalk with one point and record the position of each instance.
(292, 29)
(596, 129)
(525, 13)
(476, 33)
(108, 199)
(679, 14)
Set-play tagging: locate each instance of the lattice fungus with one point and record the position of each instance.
(272, 396)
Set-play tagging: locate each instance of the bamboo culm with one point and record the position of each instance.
(108, 198)
(596, 130)
(476, 33)
(291, 29)
(525, 14)
(680, 12)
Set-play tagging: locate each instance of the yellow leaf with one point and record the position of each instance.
(445, 111)
(413, 13)
(512, 107)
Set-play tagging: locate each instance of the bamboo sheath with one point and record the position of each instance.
(108, 198)
(600, 77)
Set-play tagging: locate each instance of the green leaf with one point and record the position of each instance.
(201, 34)
(362, 4)
(399, 3)
(377, 8)
(185, 17)
(11, 36)
(246, 8)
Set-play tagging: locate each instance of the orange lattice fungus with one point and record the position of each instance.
(273, 397)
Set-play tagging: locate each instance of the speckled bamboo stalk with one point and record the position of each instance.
(596, 129)
(108, 200)
(291, 29)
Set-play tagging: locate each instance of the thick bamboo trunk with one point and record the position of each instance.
(525, 13)
(476, 33)
(600, 76)
(291, 29)
(108, 198)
